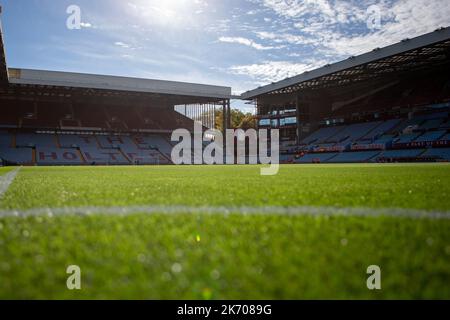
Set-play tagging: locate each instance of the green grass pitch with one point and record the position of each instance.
(226, 256)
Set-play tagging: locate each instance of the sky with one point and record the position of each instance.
(239, 43)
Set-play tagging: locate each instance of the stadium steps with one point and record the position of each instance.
(424, 151)
(165, 157)
(370, 132)
(374, 158)
(330, 138)
(125, 156)
(80, 154)
(34, 156)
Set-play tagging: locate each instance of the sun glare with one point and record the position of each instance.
(166, 12)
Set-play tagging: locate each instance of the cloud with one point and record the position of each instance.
(247, 42)
(122, 45)
(284, 38)
(340, 28)
(86, 25)
(272, 71)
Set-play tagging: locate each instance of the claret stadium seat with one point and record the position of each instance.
(55, 156)
(103, 157)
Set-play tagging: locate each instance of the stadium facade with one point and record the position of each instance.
(389, 105)
(62, 118)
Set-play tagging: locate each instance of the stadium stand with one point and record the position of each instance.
(355, 141)
(357, 110)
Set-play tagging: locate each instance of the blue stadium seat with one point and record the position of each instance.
(98, 156)
(144, 156)
(154, 142)
(384, 127)
(17, 156)
(354, 132)
(407, 138)
(431, 124)
(354, 157)
(384, 139)
(5, 139)
(316, 157)
(409, 153)
(30, 140)
(431, 136)
(321, 135)
(115, 142)
(77, 141)
(443, 153)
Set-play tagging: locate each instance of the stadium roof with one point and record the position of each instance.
(3, 67)
(28, 77)
(431, 49)
(106, 85)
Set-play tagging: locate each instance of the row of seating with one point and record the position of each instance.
(54, 115)
(339, 142)
(423, 128)
(439, 154)
(52, 149)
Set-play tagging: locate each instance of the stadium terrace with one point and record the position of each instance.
(388, 105)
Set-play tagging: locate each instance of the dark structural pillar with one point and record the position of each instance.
(299, 121)
(226, 119)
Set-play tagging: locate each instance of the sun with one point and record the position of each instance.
(169, 13)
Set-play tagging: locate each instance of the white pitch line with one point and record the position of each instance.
(6, 180)
(280, 211)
